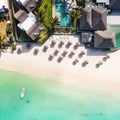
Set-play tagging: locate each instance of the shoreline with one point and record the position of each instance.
(65, 72)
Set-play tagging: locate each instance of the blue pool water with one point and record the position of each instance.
(116, 29)
(64, 17)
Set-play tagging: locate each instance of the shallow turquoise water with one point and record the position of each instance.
(47, 99)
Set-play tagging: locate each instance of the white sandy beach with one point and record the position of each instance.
(107, 74)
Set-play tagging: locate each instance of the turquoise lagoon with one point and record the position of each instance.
(47, 99)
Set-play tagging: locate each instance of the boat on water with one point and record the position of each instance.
(22, 93)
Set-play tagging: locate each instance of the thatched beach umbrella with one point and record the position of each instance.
(81, 53)
(76, 46)
(100, 63)
(56, 52)
(45, 48)
(71, 54)
(64, 53)
(52, 44)
(75, 62)
(50, 57)
(59, 59)
(61, 44)
(36, 50)
(85, 63)
(104, 58)
(68, 44)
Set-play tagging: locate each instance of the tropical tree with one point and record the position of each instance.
(80, 2)
(54, 22)
(75, 14)
(40, 14)
(2, 40)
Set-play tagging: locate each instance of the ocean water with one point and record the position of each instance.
(47, 99)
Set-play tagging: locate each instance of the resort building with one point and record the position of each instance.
(27, 20)
(112, 4)
(29, 5)
(98, 28)
(93, 19)
(104, 39)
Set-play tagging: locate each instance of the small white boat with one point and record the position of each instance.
(22, 93)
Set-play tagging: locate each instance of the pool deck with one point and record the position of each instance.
(114, 18)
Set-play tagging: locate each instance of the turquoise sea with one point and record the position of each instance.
(47, 99)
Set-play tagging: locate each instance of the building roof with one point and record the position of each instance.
(114, 4)
(103, 1)
(28, 22)
(35, 30)
(21, 15)
(93, 19)
(30, 4)
(85, 20)
(104, 39)
(99, 18)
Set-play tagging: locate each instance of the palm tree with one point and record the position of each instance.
(2, 40)
(54, 22)
(75, 14)
(40, 14)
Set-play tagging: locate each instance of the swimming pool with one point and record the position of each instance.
(116, 29)
(64, 17)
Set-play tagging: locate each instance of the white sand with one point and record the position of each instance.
(106, 75)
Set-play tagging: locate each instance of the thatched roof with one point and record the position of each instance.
(104, 39)
(115, 4)
(35, 30)
(21, 15)
(30, 5)
(99, 20)
(93, 19)
(85, 20)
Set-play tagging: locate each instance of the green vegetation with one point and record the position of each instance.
(13, 47)
(54, 22)
(3, 41)
(44, 12)
(80, 2)
(43, 37)
(75, 15)
(62, 30)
